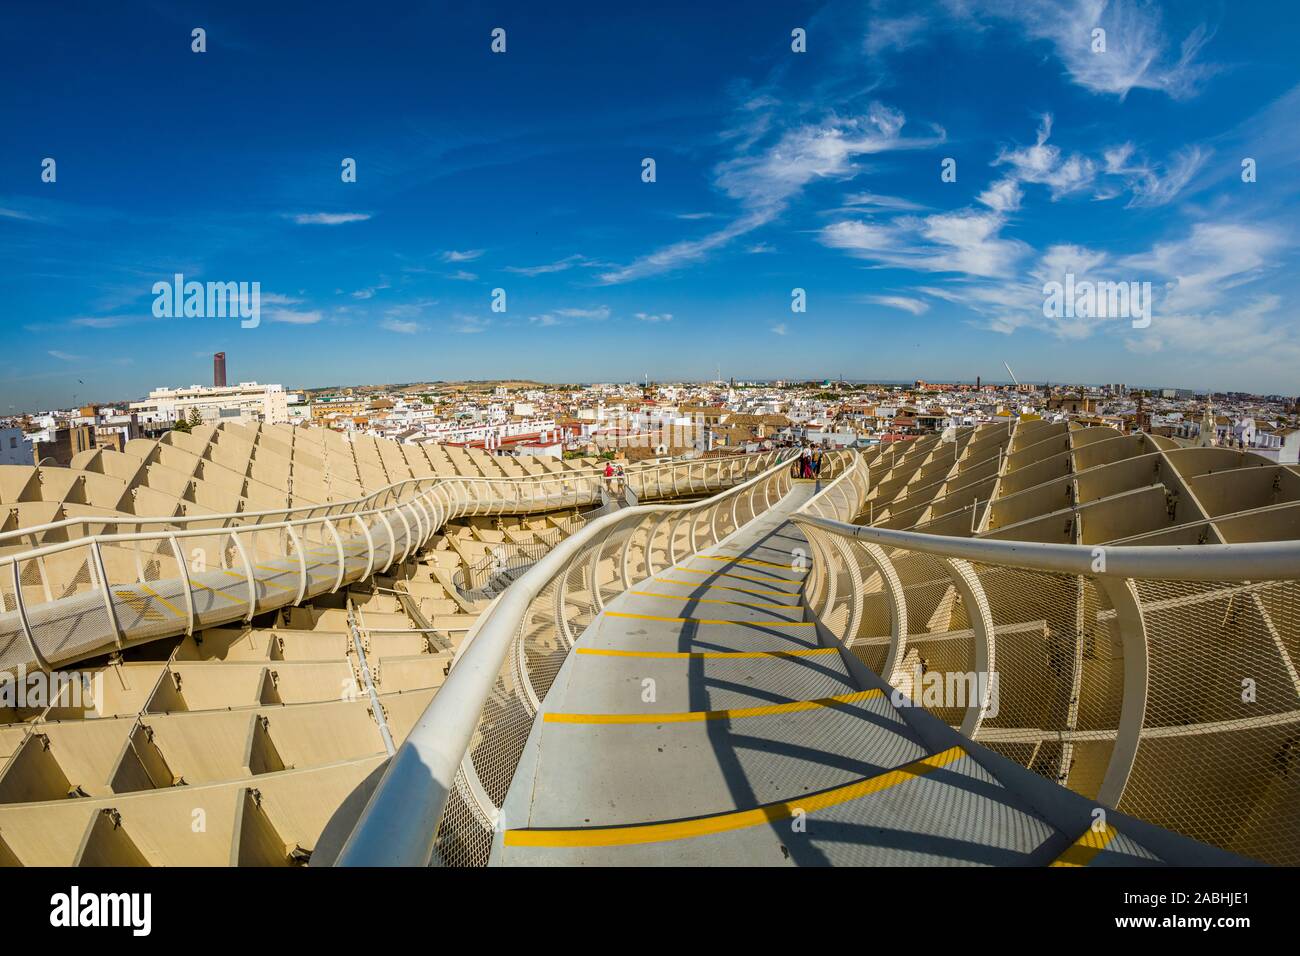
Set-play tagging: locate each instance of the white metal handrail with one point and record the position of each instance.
(63, 600)
(685, 476)
(465, 746)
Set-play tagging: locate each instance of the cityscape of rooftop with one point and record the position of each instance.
(858, 433)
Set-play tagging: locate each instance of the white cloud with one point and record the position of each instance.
(1150, 185)
(965, 241)
(1002, 196)
(897, 33)
(779, 328)
(1250, 331)
(64, 356)
(1137, 54)
(292, 317)
(329, 218)
(1046, 165)
(469, 255)
(369, 293)
(460, 275)
(560, 265)
(399, 326)
(648, 317)
(1199, 305)
(1211, 261)
(598, 313)
(276, 298)
(103, 321)
(766, 181)
(470, 324)
(875, 201)
(915, 306)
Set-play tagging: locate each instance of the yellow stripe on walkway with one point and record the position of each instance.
(727, 587)
(692, 716)
(754, 561)
(277, 571)
(233, 600)
(162, 600)
(697, 655)
(701, 620)
(732, 820)
(695, 600)
(1087, 846)
(770, 579)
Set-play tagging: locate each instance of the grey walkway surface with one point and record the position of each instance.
(698, 721)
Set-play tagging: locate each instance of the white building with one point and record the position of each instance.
(15, 447)
(247, 400)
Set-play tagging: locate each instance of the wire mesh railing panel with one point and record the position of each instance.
(1219, 753)
(77, 620)
(1215, 652)
(1236, 788)
(940, 641)
(145, 585)
(1037, 643)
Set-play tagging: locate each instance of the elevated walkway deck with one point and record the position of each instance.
(700, 720)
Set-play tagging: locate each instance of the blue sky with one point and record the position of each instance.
(775, 170)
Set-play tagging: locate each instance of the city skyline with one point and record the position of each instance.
(776, 171)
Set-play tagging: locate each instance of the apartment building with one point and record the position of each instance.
(15, 447)
(247, 400)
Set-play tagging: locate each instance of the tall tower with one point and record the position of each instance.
(219, 370)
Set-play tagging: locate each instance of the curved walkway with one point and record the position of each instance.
(700, 720)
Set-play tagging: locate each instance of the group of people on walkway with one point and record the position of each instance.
(809, 463)
(614, 477)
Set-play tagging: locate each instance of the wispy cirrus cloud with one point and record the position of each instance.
(1152, 185)
(901, 302)
(598, 313)
(1198, 282)
(1047, 165)
(369, 291)
(293, 317)
(564, 316)
(764, 181)
(1138, 52)
(400, 326)
(559, 265)
(469, 255)
(329, 218)
(470, 324)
